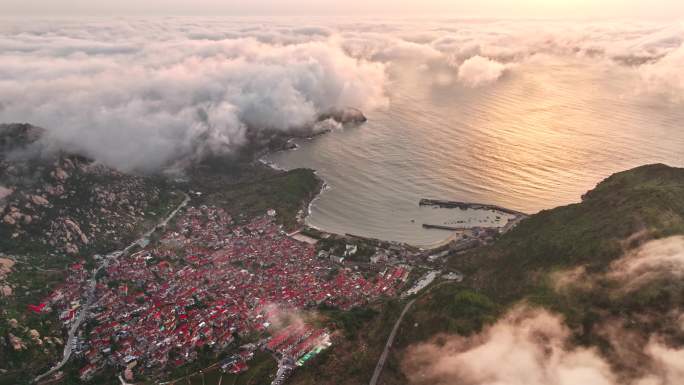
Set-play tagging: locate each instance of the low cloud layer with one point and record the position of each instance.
(139, 106)
(665, 76)
(526, 347)
(655, 260)
(531, 347)
(658, 260)
(479, 71)
(534, 347)
(139, 94)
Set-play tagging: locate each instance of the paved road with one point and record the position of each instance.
(388, 345)
(390, 339)
(91, 290)
(74, 327)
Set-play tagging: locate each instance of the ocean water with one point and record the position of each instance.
(539, 137)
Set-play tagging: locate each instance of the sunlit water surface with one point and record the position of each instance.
(538, 138)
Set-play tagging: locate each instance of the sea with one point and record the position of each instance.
(539, 137)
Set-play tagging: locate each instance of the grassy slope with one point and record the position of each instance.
(648, 200)
(252, 190)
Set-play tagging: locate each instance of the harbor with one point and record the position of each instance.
(484, 233)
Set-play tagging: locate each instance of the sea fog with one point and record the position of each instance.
(527, 114)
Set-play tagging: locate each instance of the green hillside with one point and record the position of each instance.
(622, 212)
(639, 204)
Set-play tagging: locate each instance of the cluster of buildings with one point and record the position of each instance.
(67, 298)
(293, 346)
(296, 340)
(206, 284)
(237, 363)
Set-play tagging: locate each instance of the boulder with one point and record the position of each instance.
(16, 343)
(39, 200)
(9, 220)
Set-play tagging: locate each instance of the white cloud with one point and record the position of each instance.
(656, 259)
(667, 366)
(139, 93)
(653, 261)
(479, 71)
(526, 347)
(531, 347)
(140, 105)
(665, 77)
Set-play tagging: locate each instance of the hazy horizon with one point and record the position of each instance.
(584, 9)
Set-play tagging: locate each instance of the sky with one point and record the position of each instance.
(651, 9)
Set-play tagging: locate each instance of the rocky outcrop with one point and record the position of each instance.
(71, 225)
(345, 116)
(68, 204)
(5, 192)
(9, 220)
(34, 336)
(16, 343)
(6, 291)
(39, 200)
(5, 269)
(18, 135)
(60, 175)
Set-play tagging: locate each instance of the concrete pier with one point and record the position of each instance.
(467, 205)
(443, 227)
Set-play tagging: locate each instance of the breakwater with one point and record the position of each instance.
(443, 227)
(467, 205)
